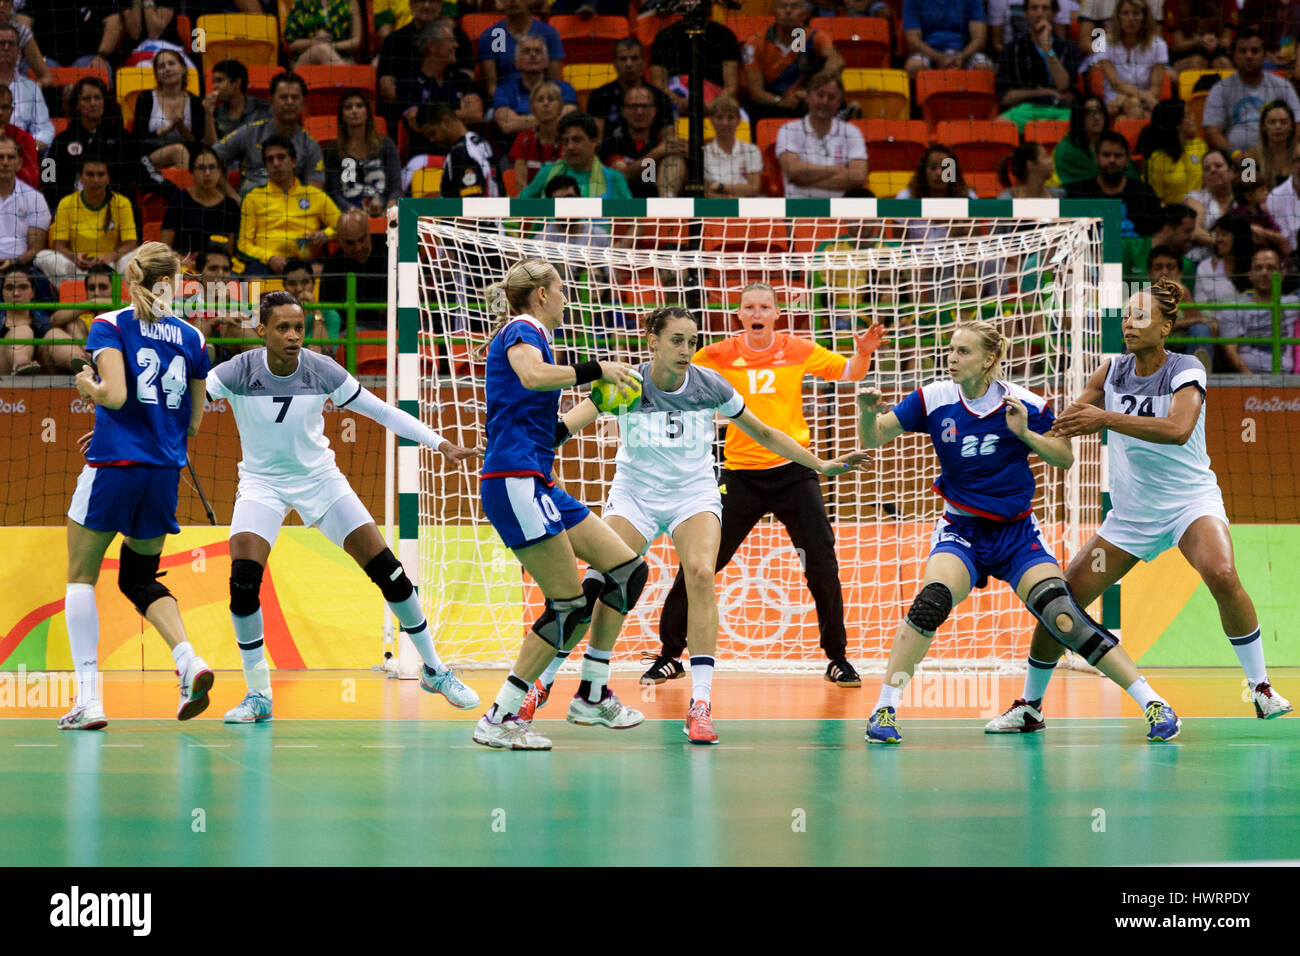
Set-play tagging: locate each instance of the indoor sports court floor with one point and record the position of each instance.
(358, 770)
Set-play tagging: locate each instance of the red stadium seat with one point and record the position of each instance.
(590, 39)
(979, 144)
(956, 94)
(1047, 132)
(862, 41)
(647, 28)
(1130, 129)
(746, 235)
(894, 144)
(745, 27)
(985, 184)
(475, 23)
(327, 83)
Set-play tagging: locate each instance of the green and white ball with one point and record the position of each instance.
(609, 397)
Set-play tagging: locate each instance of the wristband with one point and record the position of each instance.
(562, 433)
(586, 372)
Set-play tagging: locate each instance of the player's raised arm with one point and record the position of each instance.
(785, 446)
(1173, 429)
(875, 429)
(538, 375)
(1054, 450)
(575, 420)
(864, 346)
(408, 426)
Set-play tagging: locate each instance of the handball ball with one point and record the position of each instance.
(609, 397)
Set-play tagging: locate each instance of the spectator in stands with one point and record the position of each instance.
(1214, 198)
(731, 168)
(323, 31)
(1165, 263)
(937, 175)
(510, 102)
(169, 121)
(467, 170)
(29, 110)
(93, 225)
(1141, 204)
(149, 28)
(496, 45)
(605, 103)
(300, 282)
(540, 143)
(245, 145)
(578, 145)
(16, 286)
(1036, 72)
(28, 170)
(780, 60)
(1275, 21)
(1224, 275)
(438, 80)
(1099, 14)
(1025, 174)
(1255, 323)
(1176, 226)
(1252, 201)
(211, 310)
(228, 105)
(24, 214)
(31, 57)
(94, 127)
(400, 55)
(201, 215)
(362, 168)
(1007, 22)
(1231, 117)
(599, 8)
(576, 232)
(670, 63)
(1200, 34)
(74, 323)
(1133, 61)
(89, 37)
(363, 256)
(1174, 151)
(644, 149)
(284, 218)
(1076, 155)
(821, 155)
(1283, 203)
(1272, 153)
(945, 36)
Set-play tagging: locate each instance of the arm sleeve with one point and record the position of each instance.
(250, 229)
(1216, 111)
(199, 363)
(125, 215)
(392, 170)
(315, 164)
(1041, 419)
(910, 412)
(232, 147)
(216, 387)
(857, 145)
(394, 419)
(43, 128)
(41, 213)
(103, 335)
(825, 364)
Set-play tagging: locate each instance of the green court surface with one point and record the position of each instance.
(302, 792)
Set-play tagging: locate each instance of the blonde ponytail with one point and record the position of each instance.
(150, 279)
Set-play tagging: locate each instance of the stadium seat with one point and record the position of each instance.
(980, 145)
(60, 124)
(585, 77)
(590, 39)
(185, 30)
(743, 134)
(647, 28)
(745, 27)
(1047, 132)
(259, 79)
(322, 128)
(247, 37)
(510, 182)
(1130, 129)
(886, 184)
(767, 130)
(327, 83)
(985, 184)
(427, 182)
(1188, 79)
(475, 23)
(862, 41)
(956, 94)
(152, 232)
(880, 94)
(894, 144)
(1096, 83)
(67, 75)
(153, 208)
(371, 359)
(133, 80)
(73, 290)
(808, 234)
(746, 235)
(180, 178)
(378, 225)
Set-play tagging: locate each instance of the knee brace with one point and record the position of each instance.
(137, 578)
(390, 577)
(1050, 601)
(245, 587)
(562, 617)
(930, 608)
(624, 584)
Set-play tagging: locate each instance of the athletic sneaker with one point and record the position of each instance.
(610, 712)
(1164, 723)
(458, 693)
(195, 684)
(882, 729)
(255, 708)
(87, 716)
(537, 696)
(1019, 718)
(511, 734)
(664, 668)
(1268, 702)
(841, 672)
(699, 723)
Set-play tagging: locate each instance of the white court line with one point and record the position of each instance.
(33, 745)
(295, 746)
(383, 746)
(123, 745)
(211, 746)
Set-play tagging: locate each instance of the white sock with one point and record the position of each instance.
(182, 654)
(1250, 651)
(509, 697)
(1037, 675)
(595, 673)
(701, 678)
(553, 668)
(82, 618)
(1141, 692)
(252, 651)
(889, 697)
(411, 616)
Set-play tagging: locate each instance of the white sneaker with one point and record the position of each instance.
(87, 716)
(610, 712)
(458, 693)
(195, 684)
(511, 734)
(255, 708)
(1268, 702)
(1019, 718)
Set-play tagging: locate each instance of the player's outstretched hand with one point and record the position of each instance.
(83, 443)
(1079, 419)
(870, 340)
(853, 461)
(620, 373)
(1017, 415)
(869, 399)
(455, 454)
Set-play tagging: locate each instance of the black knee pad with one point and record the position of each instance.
(389, 575)
(245, 587)
(624, 584)
(1051, 599)
(930, 608)
(137, 578)
(561, 617)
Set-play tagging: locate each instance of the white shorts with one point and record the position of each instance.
(324, 500)
(653, 516)
(1153, 537)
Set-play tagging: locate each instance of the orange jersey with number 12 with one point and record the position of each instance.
(771, 382)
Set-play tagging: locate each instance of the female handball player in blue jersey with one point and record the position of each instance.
(983, 429)
(545, 527)
(1162, 493)
(149, 396)
(664, 481)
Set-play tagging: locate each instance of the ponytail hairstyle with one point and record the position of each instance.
(150, 279)
(510, 296)
(1165, 296)
(992, 342)
(656, 320)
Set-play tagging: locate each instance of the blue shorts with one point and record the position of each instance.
(137, 500)
(995, 549)
(525, 511)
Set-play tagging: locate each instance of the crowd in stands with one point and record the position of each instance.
(273, 147)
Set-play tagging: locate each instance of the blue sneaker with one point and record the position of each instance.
(255, 708)
(458, 694)
(1164, 723)
(882, 729)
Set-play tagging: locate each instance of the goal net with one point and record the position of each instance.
(1036, 275)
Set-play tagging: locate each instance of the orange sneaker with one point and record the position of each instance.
(535, 698)
(699, 724)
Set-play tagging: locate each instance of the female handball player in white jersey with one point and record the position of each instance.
(1162, 492)
(538, 521)
(983, 429)
(664, 482)
(149, 400)
(277, 394)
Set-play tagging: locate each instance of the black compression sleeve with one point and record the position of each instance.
(586, 372)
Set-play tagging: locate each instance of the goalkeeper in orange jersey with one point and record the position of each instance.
(767, 368)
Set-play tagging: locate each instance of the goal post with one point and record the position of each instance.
(1046, 271)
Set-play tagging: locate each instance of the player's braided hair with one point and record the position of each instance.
(1165, 295)
(510, 295)
(151, 278)
(656, 320)
(992, 342)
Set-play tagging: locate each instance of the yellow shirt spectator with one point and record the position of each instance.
(1173, 179)
(275, 222)
(93, 230)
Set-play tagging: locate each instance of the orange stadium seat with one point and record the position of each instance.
(180, 178)
(1047, 132)
(745, 27)
(475, 23)
(647, 28)
(979, 144)
(894, 144)
(956, 94)
(590, 39)
(985, 184)
(746, 235)
(862, 41)
(327, 83)
(322, 128)
(1130, 129)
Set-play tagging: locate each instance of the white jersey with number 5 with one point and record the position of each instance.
(281, 425)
